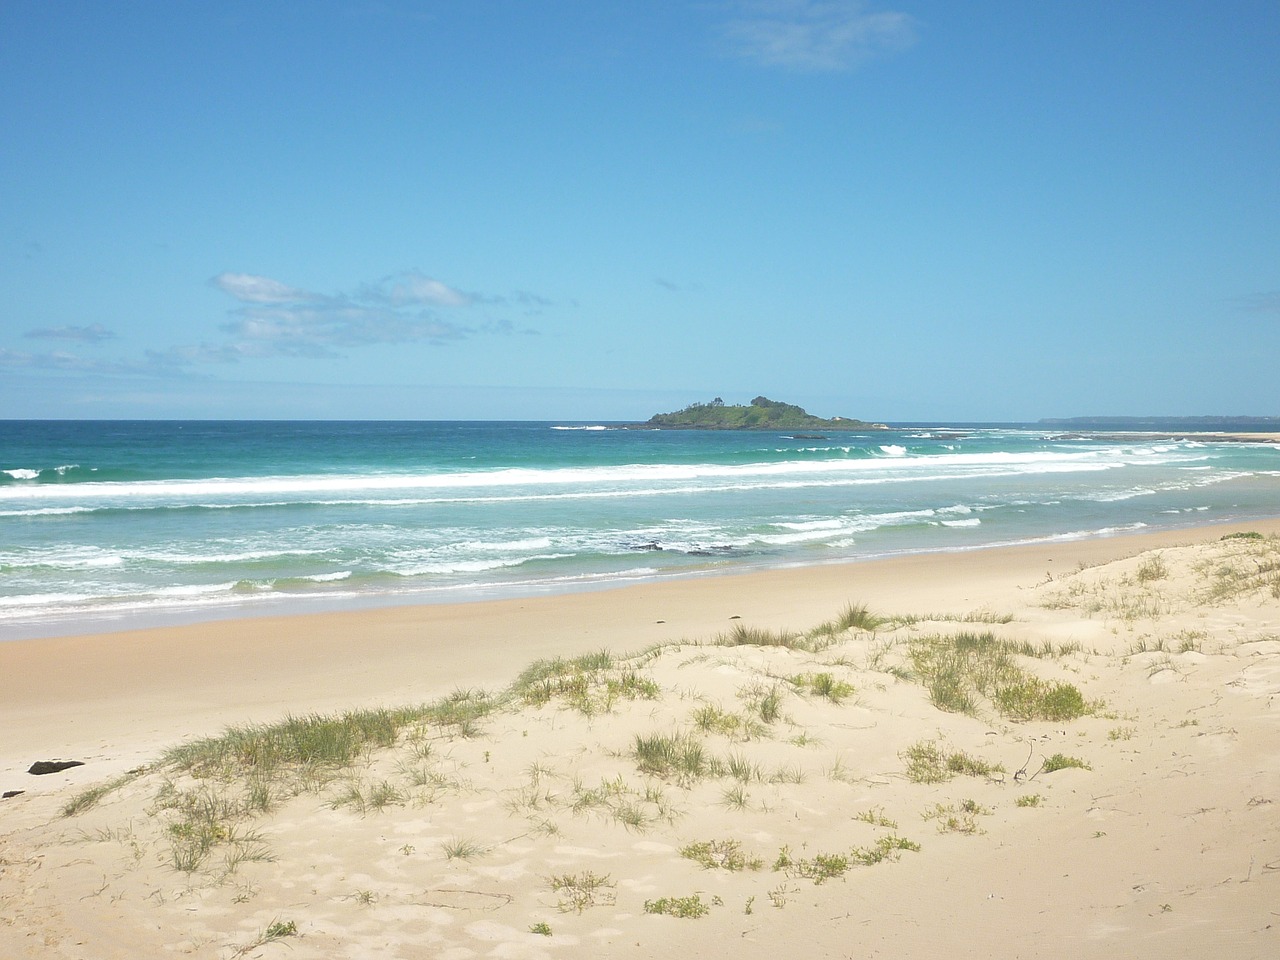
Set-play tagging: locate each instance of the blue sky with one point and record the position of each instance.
(587, 209)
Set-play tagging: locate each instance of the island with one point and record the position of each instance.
(761, 414)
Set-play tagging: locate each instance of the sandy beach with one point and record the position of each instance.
(818, 785)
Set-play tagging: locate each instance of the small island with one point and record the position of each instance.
(761, 414)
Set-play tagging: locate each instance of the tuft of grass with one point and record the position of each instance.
(689, 908)
(742, 769)
(957, 818)
(961, 671)
(886, 848)
(854, 616)
(369, 798)
(590, 684)
(1029, 800)
(461, 848)
(765, 702)
(744, 636)
(1061, 761)
(876, 817)
(90, 797)
(276, 930)
(823, 685)
(819, 868)
(542, 929)
(711, 718)
(623, 803)
(928, 762)
(1152, 568)
(578, 892)
(676, 756)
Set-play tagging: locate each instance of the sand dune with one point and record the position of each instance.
(1067, 750)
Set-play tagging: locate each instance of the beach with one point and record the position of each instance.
(535, 826)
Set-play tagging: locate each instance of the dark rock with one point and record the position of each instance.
(41, 767)
(11, 793)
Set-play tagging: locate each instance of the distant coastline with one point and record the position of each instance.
(1203, 423)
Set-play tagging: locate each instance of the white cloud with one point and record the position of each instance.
(248, 288)
(414, 288)
(816, 35)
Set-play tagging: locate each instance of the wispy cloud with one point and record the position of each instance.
(248, 288)
(277, 320)
(816, 35)
(94, 333)
(272, 319)
(151, 365)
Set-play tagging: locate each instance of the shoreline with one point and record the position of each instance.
(1142, 821)
(289, 607)
(118, 697)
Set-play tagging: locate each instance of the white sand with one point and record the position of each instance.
(1168, 846)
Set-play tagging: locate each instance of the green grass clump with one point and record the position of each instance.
(1029, 800)
(721, 855)
(854, 616)
(818, 868)
(1036, 699)
(689, 908)
(929, 762)
(590, 684)
(744, 636)
(676, 756)
(461, 848)
(829, 866)
(886, 848)
(1060, 761)
(711, 718)
(823, 685)
(962, 671)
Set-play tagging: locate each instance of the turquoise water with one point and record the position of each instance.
(111, 524)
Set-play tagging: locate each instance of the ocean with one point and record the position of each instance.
(115, 524)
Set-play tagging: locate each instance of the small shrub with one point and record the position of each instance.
(580, 891)
(1029, 800)
(1152, 568)
(689, 908)
(721, 855)
(1035, 699)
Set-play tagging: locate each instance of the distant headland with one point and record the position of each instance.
(1165, 423)
(761, 414)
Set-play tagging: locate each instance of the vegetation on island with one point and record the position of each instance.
(761, 414)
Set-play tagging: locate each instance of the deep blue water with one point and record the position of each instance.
(111, 523)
